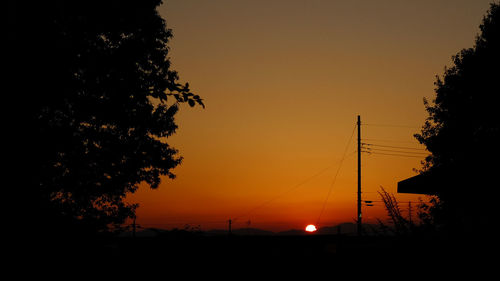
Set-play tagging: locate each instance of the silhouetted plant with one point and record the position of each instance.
(104, 107)
(463, 131)
(400, 224)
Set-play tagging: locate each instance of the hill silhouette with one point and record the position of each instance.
(346, 228)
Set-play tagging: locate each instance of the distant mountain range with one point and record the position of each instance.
(343, 229)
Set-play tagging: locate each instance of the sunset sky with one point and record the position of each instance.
(283, 83)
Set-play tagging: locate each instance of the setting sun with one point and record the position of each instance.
(311, 228)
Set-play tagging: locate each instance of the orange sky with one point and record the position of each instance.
(283, 82)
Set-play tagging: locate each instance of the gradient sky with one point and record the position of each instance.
(283, 82)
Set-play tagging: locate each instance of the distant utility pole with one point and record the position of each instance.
(133, 228)
(359, 176)
(409, 211)
(229, 230)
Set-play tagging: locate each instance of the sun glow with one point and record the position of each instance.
(311, 228)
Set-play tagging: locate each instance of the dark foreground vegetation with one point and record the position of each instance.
(182, 248)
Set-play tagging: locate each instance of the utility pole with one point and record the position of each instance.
(409, 211)
(229, 226)
(359, 176)
(133, 228)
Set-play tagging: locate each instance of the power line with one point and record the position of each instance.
(386, 140)
(288, 191)
(390, 125)
(399, 151)
(336, 174)
(390, 146)
(179, 223)
(284, 193)
(380, 201)
(390, 154)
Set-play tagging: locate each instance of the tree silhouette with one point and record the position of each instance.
(462, 131)
(103, 106)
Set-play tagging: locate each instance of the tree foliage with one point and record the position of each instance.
(462, 131)
(105, 102)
